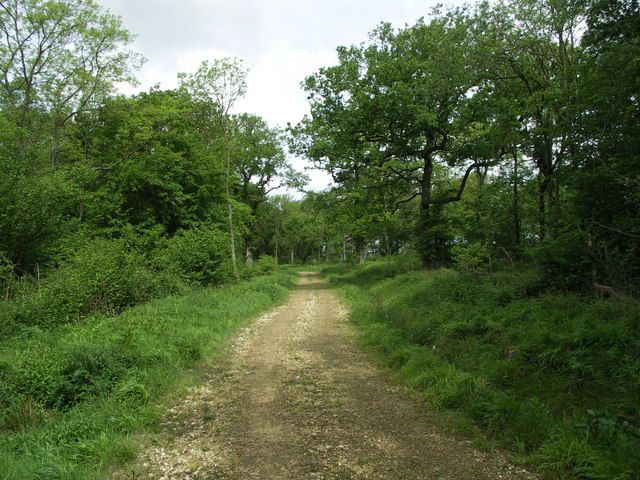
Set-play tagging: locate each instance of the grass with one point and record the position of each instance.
(552, 376)
(71, 396)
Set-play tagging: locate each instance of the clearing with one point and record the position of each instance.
(298, 399)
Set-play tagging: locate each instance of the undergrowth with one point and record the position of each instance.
(551, 375)
(70, 396)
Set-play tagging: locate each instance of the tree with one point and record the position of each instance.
(388, 112)
(61, 58)
(221, 83)
(607, 180)
(302, 231)
(531, 55)
(148, 165)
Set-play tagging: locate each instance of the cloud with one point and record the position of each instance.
(274, 82)
(283, 41)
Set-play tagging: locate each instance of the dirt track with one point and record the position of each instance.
(297, 399)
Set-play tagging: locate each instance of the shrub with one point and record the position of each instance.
(475, 256)
(103, 276)
(565, 261)
(264, 265)
(407, 262)
(200, 255)
(6, 273)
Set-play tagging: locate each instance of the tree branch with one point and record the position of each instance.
(399, 203)
(611, 229)
(458, 195)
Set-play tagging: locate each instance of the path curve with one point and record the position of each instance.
(297, 399)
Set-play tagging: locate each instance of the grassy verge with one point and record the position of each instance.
(552, 376)
(71, 396)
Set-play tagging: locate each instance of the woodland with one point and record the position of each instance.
(485, 201)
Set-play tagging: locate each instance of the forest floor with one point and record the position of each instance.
(297, 398)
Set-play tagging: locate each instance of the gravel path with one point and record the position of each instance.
(297, 399)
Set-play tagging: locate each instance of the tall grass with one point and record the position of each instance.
(71, 395)
(551, 375)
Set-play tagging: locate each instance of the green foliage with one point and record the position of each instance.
(103, 276)
(475, 256)
(166, 176)
(552, 376)
(512, 125)
(71, 54)
(200, 255)
(7, 274)
(405, 263)
(302, 230)
(265, 265)
(34, 214)
(70, 396)
(566, 260)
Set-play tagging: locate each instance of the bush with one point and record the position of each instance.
(6, 274)
(565, 261)
(475, 256)
(103, 276)
(407, 262)
(200, 256)
(264, 265)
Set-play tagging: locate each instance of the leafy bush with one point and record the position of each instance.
(407, 262)
(475, 256)
(565, 260)
(265, 265)
(200, 255)
(103, 276)
(6, 274)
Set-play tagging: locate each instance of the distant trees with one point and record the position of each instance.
(528, 106)
(262, 168)
(78, 163)
(509, 129)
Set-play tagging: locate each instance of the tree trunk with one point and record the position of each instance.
(363, 256)
(248, 256)
(516, 201)
(425, 242)
(542, 221)
(344, 249)
(291, 257)
(360, 246)
(232, 238)
(543, 156)
(276, 250)
(387, 248)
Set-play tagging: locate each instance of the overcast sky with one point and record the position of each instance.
(283, 41)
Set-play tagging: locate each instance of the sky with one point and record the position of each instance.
(282, 41)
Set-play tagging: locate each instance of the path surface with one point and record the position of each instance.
(297, 399)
